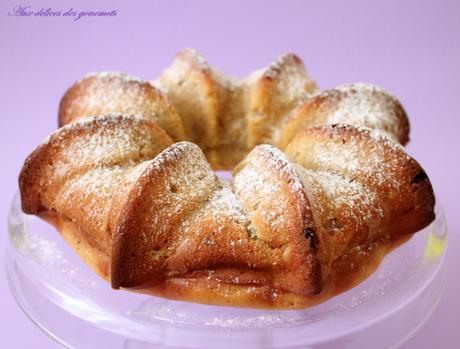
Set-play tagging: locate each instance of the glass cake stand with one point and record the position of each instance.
(72, 305)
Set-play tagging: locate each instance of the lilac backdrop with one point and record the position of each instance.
(410, 48)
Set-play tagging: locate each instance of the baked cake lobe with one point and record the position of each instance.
(112, 92)
(360, 104)
(363, 187)
(79, 176)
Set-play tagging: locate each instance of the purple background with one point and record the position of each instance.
(410, 48)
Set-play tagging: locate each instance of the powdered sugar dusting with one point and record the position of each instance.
(107, 140)
(115, 75)
(108, 92)
(224, 201)
(295, 84)
(184, 317)
(348, 194)
(262, 181)
(348, 157)
(283, 165)
(92, 158)
(368, 105)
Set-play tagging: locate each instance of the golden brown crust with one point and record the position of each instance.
(363, 188)
(375, 161)
(103, 93)
(274, 92)
(348, 271)
(98, 260)
(189, 85)
(355, 104)
(157, 203)
(274, 199)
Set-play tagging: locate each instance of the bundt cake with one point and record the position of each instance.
(321, 188)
